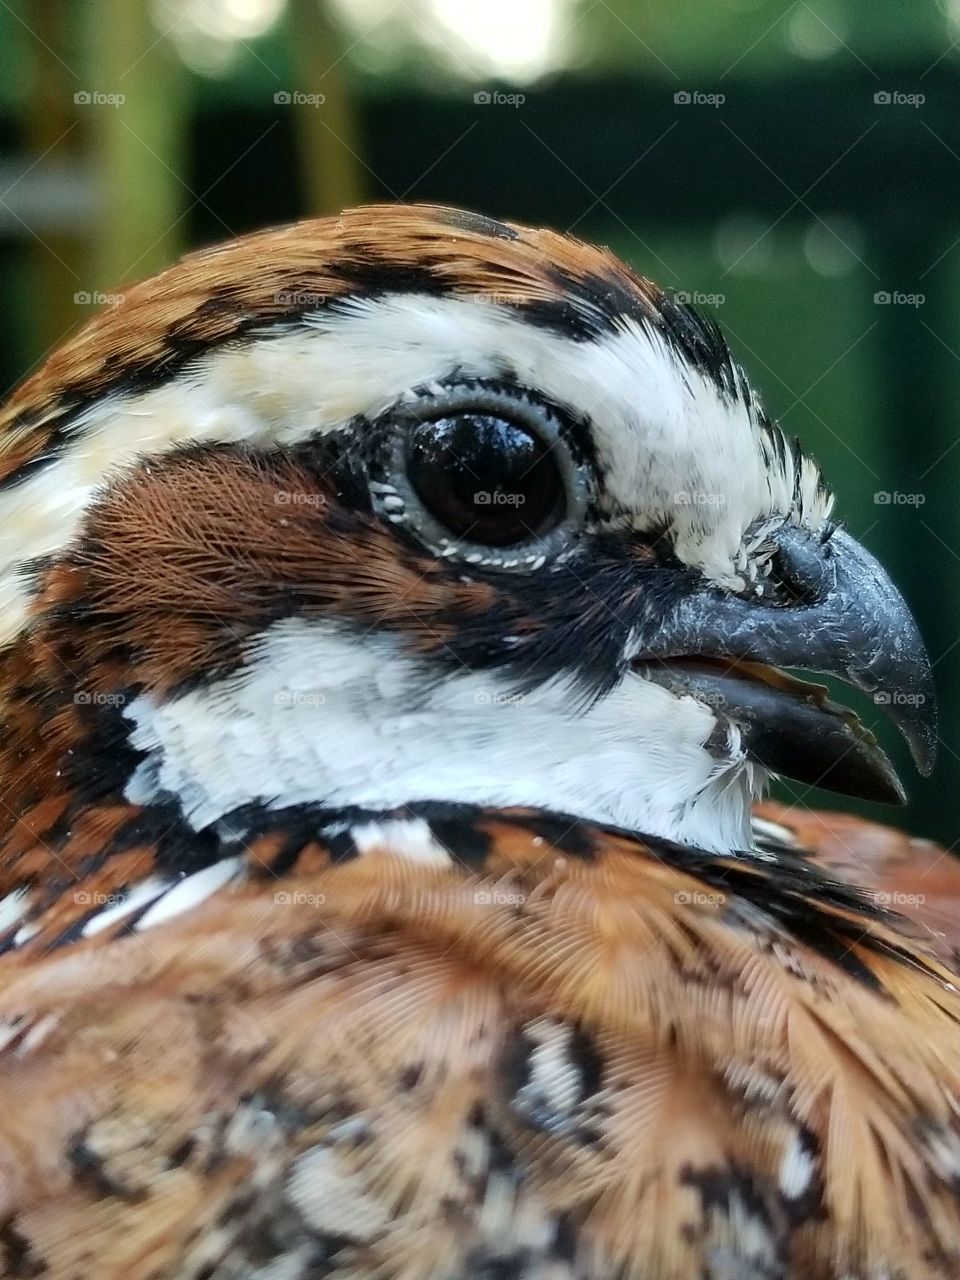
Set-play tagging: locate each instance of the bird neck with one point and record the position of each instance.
(320, 722)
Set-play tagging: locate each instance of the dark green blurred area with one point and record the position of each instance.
(825, 180)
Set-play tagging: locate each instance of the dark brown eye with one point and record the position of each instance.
(481, 473)
(486, 479)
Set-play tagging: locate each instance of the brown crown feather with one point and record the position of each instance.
(217, 294)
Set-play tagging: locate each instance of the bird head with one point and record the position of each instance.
(412, 505)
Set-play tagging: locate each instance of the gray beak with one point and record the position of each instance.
(837, 613)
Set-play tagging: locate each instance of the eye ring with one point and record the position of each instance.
(509, 418)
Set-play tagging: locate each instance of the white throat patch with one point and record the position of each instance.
(322, 717)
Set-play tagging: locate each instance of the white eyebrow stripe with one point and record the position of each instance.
(660, 427)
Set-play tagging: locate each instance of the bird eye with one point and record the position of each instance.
(481, 471)
(485, 478)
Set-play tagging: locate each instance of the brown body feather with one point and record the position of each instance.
(541, 1064)
(914, 878)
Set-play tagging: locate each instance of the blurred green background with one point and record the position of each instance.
(794, 168)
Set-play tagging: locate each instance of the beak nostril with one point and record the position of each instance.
(793, 588)
(798, 568)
